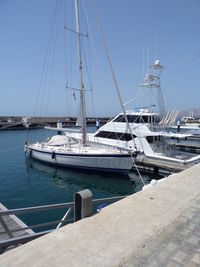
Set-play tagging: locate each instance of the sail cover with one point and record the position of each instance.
(58, 140)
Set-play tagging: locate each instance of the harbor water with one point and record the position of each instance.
(25, 182)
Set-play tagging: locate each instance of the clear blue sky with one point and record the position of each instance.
(169, 28)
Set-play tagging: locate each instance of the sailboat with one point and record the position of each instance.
(63, 151)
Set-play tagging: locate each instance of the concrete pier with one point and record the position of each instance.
(159, 226)
(9, 223)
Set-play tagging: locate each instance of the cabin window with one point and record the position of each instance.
(150, 139)
(144, 119)
(131, 119)
(120, 118)
(157, 119)
(114, 135)
(137, 119)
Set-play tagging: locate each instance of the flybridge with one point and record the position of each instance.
(142, 116)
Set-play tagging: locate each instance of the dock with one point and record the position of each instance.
(8, 225)
(188, 148)
(158, 166)
(189, 144)
(159, 226)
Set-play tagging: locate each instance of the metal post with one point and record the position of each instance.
(178, 126)
(82, 204)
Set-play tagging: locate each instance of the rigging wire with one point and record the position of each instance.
(46, 59)
(92, 39)
(114, 77)
(67, 73)
(69, 76)
(180, 92)
(135, 98)
(89, 32)
(88, 66)
(111, 68)
(89, 80)
(183, 61)
(53, 59)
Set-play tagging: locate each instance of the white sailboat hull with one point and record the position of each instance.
(115, 163)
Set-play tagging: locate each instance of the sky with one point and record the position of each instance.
(38, 55)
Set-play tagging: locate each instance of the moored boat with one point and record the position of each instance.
(60, 150)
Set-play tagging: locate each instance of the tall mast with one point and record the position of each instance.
(82, 95)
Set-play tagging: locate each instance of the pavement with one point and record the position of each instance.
(177, 245)
(159, 226)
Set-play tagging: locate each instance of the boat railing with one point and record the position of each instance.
(83, 206)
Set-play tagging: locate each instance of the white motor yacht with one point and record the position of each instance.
(151, 143)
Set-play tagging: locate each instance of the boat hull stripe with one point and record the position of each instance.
(82, 155)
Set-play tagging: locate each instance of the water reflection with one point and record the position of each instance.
(49, 185)
(99, 184)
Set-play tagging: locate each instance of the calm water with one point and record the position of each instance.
(25, 182)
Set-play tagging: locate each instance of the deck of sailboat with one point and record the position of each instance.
(78, 149)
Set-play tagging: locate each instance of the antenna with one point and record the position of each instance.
(152, 81)
(143, 55)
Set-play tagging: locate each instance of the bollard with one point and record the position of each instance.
(82, 204)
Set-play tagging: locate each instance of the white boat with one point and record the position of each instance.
(62, 151)
(186, 125)
(146, 126)
(59, 150)
(153, 144)
(189, 124)
(190, 129)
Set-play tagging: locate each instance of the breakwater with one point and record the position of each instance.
(17, 122)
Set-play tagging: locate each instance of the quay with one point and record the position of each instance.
(159, 226)
(8, 225)
(16, 122)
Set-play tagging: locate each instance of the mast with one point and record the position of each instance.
(82, 94)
